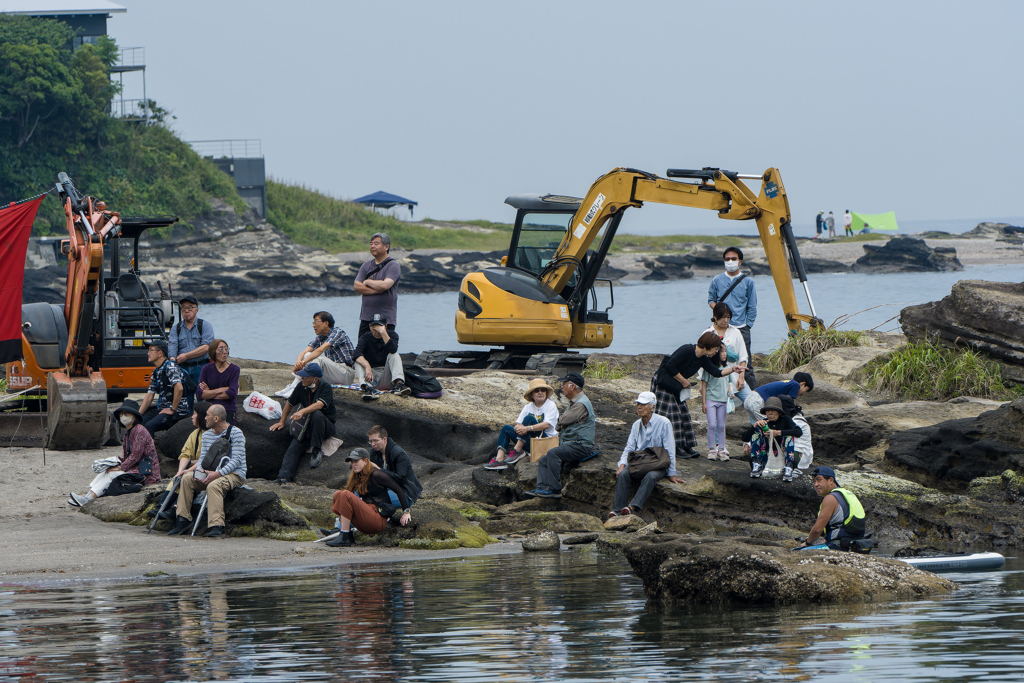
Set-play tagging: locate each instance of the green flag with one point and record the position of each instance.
(875, 221)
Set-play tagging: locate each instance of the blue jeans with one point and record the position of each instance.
(508, 437)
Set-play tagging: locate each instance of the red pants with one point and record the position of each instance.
(362, 515)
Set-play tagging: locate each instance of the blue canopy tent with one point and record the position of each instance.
(385, 200)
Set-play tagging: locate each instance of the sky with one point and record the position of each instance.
(910, 107)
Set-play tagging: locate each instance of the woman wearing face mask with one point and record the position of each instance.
(138, 458)
(737, 290)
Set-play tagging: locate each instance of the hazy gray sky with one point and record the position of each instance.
(912, 107)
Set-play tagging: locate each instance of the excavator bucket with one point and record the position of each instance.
(78, 411)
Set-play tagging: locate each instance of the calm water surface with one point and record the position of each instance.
(575, 615)
(649, 317)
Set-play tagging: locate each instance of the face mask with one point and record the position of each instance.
(127, 420)
(732, 266)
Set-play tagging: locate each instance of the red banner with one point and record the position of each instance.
(15, 228)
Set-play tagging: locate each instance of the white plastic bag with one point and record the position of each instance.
(263, 405)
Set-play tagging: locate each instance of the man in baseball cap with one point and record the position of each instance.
(576, 428)
(312, 400)
(189, 343)
(840, 517)
(649, 432)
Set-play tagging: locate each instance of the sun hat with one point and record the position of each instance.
(646, 397)
(774, 403)
(535, 384)
(129, 406)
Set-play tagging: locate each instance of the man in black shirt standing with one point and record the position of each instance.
(377, 357)
(317, 400)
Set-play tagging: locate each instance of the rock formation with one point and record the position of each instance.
(716, 571)
(988, 316)
(906, 254)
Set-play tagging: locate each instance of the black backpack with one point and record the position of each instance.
(421, 382)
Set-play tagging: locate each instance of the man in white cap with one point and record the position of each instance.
(650, 431)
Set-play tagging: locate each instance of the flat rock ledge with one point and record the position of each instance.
(715, 571)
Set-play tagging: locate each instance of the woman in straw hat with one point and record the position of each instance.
(537, 418)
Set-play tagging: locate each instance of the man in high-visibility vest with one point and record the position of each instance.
(840, 517)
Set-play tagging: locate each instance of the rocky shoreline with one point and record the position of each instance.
(231, 258)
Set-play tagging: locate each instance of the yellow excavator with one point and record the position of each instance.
(535, 305)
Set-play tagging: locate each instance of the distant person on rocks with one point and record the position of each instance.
(778, 427)
(331, 349)
(847, 224)
(737, 290)
(378, 365)
(221, 468)
(819, 221)
(166, 383)
(366, 501)
(866, 229)
(189, 343)
(377, 280)
(317, 400)
(671, 380)
(801, 383)
(218, 381)
(537, 418)
(649, 431)
(138, 466)
(841, 517)
(831, 223)
(576, 429)
(715, 393)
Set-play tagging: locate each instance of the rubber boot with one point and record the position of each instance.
(343, 540)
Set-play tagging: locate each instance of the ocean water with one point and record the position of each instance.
(649, 317)
(574, 615)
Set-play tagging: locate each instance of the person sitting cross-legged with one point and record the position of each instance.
(365, 503)
(221, 468)
(649, 431)
(317, 400)
(576, 430)
(537, 418)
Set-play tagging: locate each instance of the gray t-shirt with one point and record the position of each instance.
(385, 302)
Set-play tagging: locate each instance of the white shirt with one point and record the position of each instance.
(658, 432)
(847, 220)
(733, 341)
(548, 412)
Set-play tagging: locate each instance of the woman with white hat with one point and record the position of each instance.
(537, 418)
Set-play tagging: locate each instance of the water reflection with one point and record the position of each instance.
(575, 615)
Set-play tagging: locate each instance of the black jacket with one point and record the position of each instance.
(399, 468)
(374, 350)
(683, 361)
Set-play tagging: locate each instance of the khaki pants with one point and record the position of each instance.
(334, 372)
(384, 377)
(215, 493)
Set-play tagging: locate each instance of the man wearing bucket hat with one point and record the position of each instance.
(841, 516)
(650, 431)
(138, 460)
(537, 418)
(576, 430)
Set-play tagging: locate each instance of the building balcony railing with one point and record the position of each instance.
(130, 110)
(130, 59)
(230, 149)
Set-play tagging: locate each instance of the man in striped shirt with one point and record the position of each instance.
(221, 467)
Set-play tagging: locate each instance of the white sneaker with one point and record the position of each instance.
(712, 454)
(787, 474)
(723, 454)
(756, 472)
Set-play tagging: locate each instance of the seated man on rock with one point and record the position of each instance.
(331, 349)
(576, 429)
(377, 352)
(317, 400)
(166, 383)
(221, 468)
(840, 517)
(650, 431)
(801, 383)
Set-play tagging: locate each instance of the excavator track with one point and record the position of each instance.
(77, 412)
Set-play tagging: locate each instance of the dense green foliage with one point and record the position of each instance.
(54, 116)
(314, 219)
(797, 349)
(929, 372)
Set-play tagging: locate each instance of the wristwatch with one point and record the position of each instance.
(407, 511)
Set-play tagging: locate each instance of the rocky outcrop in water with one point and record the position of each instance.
(718, 571)
(906, 254)
(987, 316)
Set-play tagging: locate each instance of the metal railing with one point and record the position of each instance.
(135, 110)
(131, 56)
(231, 149)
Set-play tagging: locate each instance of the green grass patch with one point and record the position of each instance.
(798, 349)
(606, 370)
(926, 371)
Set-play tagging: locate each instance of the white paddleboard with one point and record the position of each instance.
(978, 562)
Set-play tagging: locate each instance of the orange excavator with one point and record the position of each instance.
(93, 349)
